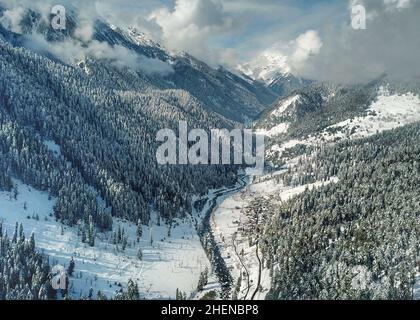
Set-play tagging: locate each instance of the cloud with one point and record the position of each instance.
(304, 47)
(11, 19)
(315, 37)
(390, 45)
(397, 4)
(72, 51)
(84, 30)
(82, 47)
(191, 25)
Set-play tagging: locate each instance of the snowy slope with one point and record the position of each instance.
(168, 263)
(274, 128)
(284, 105)
(388, 112)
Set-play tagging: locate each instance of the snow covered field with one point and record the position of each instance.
(168, 262)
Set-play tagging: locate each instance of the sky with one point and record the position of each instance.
(316, 37)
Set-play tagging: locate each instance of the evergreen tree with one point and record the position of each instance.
(203, 280)
(139, 232)
(132, 291)
(71, 267)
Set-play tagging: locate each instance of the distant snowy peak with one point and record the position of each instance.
(272, 69)
(267, 67)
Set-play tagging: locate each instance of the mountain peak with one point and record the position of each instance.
(141, 38)
(267, 67)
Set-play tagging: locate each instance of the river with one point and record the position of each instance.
(207, 238)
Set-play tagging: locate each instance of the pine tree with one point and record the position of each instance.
(203, 280)
(132, 291)
(71, 267)
(139, 232)
(140, 254)
(15, 233)
(32, 242)
(21, 234)
(91, 232)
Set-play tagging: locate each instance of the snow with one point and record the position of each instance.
(272, 186)
(284, 105)
(266, 67)
(141, 38)
(169, 263)
(276, 130)
(53, 147)
(388, 112)
(279, 149)
(229, 217)
(281, 108)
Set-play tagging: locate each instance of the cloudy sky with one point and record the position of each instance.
(315, 36)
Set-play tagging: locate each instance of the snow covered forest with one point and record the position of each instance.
(354, 239)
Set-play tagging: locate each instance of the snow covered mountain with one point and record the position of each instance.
(272, 69)
(266, 67)
(335, 215)
(219, 90)
(334, 154)
(325, 112)
(78, 156)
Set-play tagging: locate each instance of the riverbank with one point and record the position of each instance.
(202, 212)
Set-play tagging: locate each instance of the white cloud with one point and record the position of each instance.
(191, 24)
(11, 19)
(305, 46)
(397, 4)
(71, 51)
(231, 31)
(84, 31)
(284, 57)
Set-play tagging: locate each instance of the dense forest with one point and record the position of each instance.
(25, 273)
(106, 131)
(354, 239)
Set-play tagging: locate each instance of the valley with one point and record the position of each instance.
(334, 213)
